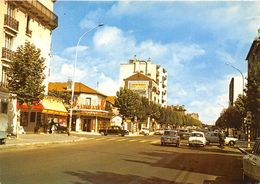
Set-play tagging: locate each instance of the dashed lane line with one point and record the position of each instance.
(119, 140)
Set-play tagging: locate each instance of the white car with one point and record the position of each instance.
(197, 138)
(251, 165)
(144, 131)
(212, 137)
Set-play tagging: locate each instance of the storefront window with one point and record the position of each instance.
(24, 119)
(4, 106)
(32, 116)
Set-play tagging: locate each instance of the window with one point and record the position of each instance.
(10, 10)
(32, 116)
(3, 80)
(4, 106)
(28, 31)
(88, 101)
(24, 119)
(8, 41)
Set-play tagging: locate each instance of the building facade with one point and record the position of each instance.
(20, 22)
(89, 112)
(253, 59)
(152, 72)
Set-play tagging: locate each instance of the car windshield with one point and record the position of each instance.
(196, 135)
(170, 133)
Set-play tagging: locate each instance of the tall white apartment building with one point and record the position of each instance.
(21, 21)
(152, 78)
(235, 89)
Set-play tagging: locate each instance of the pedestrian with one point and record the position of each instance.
(51, 126)
(221, 137)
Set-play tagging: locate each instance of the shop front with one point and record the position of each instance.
(36, 118)
(90, 121)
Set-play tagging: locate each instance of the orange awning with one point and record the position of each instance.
(47, 105)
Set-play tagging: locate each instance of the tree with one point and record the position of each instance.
(127, 102)
(26, 74)
(64, 95)
(253, 96)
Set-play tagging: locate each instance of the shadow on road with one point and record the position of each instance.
(226, 167)
(115, 178)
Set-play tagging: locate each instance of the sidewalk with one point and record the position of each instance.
(39, 139)
(45, 139)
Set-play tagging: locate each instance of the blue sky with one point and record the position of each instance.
(192, 40)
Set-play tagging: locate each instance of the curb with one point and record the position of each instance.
(20, 145)
(242, 150)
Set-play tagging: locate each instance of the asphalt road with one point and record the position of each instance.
(120, 160)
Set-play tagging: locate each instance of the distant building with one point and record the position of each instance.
(22, 21)
(146, 78)
(89, 107)
(235, 89)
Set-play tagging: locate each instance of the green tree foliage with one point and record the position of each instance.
(253, 92)
(233, 116)
(64, 95)
(127, 102)
(131, 104)
(26, 74)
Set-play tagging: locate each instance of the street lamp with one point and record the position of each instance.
(74, 69)
(243, 78)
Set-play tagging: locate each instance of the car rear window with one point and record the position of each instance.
(196, 135)
(170, 133)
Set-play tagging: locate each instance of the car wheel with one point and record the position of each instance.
(178, 144)
(2, 141)
(208, 142)
(190, 144)
(231, 143)
(162, 144)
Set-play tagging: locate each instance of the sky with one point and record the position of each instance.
(192, 40)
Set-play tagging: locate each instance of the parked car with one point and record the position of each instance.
(213, 137)
(159, 132)
(170, 137)
(3, 137)
(184, 133)
(60, 128)
(197, 138)
(113, 130)
(251, 165)
(144, 131)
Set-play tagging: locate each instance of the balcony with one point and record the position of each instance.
(7, 53)
(38, 11)
(11, 23)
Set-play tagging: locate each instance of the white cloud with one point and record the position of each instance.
(71, 51)
(92, 19)
(108, 85)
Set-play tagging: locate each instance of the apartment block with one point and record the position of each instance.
(149, 78)
(22, 21)
(235, 89)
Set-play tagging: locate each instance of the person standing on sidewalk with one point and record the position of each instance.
(221, 137)
(51, 126)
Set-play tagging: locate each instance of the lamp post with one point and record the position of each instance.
(243, 78)
(74, 69)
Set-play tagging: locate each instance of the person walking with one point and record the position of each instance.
(221, 137)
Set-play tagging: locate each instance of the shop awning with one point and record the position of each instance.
(47, 105)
